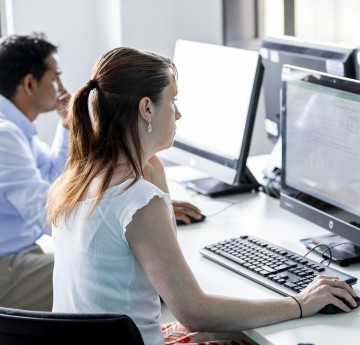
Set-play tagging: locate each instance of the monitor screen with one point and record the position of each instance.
(330, 58)
(320, 131)
(218, 90)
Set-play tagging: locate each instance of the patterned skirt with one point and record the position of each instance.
(175, 333)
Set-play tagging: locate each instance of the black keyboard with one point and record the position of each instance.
(270, 265)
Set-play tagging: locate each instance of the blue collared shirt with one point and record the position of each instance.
(27, 169)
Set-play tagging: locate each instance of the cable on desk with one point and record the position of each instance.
(327, 249)
(333, 246)
(224, 208)
(272, 188)
(272, 185)
(194, 194)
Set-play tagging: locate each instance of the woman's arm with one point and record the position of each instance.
(152, 238)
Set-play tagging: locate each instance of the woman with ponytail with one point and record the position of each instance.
(114, 228)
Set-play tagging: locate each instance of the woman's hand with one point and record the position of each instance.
(183, 210)
(326, 290)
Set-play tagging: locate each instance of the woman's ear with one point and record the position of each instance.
(145, 109)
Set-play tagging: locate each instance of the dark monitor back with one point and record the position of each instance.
(330, 58)
(320, 131)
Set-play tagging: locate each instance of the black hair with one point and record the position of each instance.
(20, 55)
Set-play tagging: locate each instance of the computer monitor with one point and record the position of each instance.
(320, 131)
(218, 95)
(330, 58)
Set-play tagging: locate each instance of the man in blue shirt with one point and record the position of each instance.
(29, 85)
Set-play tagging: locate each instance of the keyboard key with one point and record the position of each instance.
(291, 264)
(268, 269)
(282, 267)
(264, 273)
(289, 285)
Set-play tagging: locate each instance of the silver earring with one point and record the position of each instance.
(149, 128)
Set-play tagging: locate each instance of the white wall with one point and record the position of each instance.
(157, 24)
(83, 30)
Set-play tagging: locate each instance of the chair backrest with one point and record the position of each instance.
(22, 327)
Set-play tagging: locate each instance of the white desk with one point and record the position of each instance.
(260, 215)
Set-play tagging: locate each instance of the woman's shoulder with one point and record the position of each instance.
(144, 190)
(134, 192)
(122, 202)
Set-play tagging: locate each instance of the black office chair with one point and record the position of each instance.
(22, 327)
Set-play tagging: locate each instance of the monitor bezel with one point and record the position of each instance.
(323, 213)
(309, 51)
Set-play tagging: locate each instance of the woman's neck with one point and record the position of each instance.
(121, 173)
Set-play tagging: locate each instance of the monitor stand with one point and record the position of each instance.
(212, 187)
(343, 251)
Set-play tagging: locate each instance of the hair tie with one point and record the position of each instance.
(92, 84)
(301, 313)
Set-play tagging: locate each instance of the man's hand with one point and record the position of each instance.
(62, 103)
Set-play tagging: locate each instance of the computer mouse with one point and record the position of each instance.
(192, 220)
(331, 309)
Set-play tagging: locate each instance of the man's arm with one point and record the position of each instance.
(23, 188)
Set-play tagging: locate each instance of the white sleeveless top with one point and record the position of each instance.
(95, 269)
